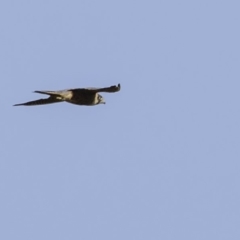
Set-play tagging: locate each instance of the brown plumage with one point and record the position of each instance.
(79, 96)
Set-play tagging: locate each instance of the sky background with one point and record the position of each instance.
(160, 160)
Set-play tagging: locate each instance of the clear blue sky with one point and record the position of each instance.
(160, 160)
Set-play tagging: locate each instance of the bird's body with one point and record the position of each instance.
(79, 96)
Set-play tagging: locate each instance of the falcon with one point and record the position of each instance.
(79, 96)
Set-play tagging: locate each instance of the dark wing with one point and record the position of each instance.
(107, 89)
(40, 102)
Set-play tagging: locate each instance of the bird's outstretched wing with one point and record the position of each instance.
(111, 89)
(40, 102)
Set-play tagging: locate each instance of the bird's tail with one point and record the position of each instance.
(50, 93)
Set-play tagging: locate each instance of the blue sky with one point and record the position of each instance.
(160, 160)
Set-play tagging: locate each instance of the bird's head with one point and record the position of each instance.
(100, 99)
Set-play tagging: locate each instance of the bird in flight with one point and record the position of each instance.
(79, 96)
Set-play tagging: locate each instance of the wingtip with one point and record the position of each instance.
(19, 104)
